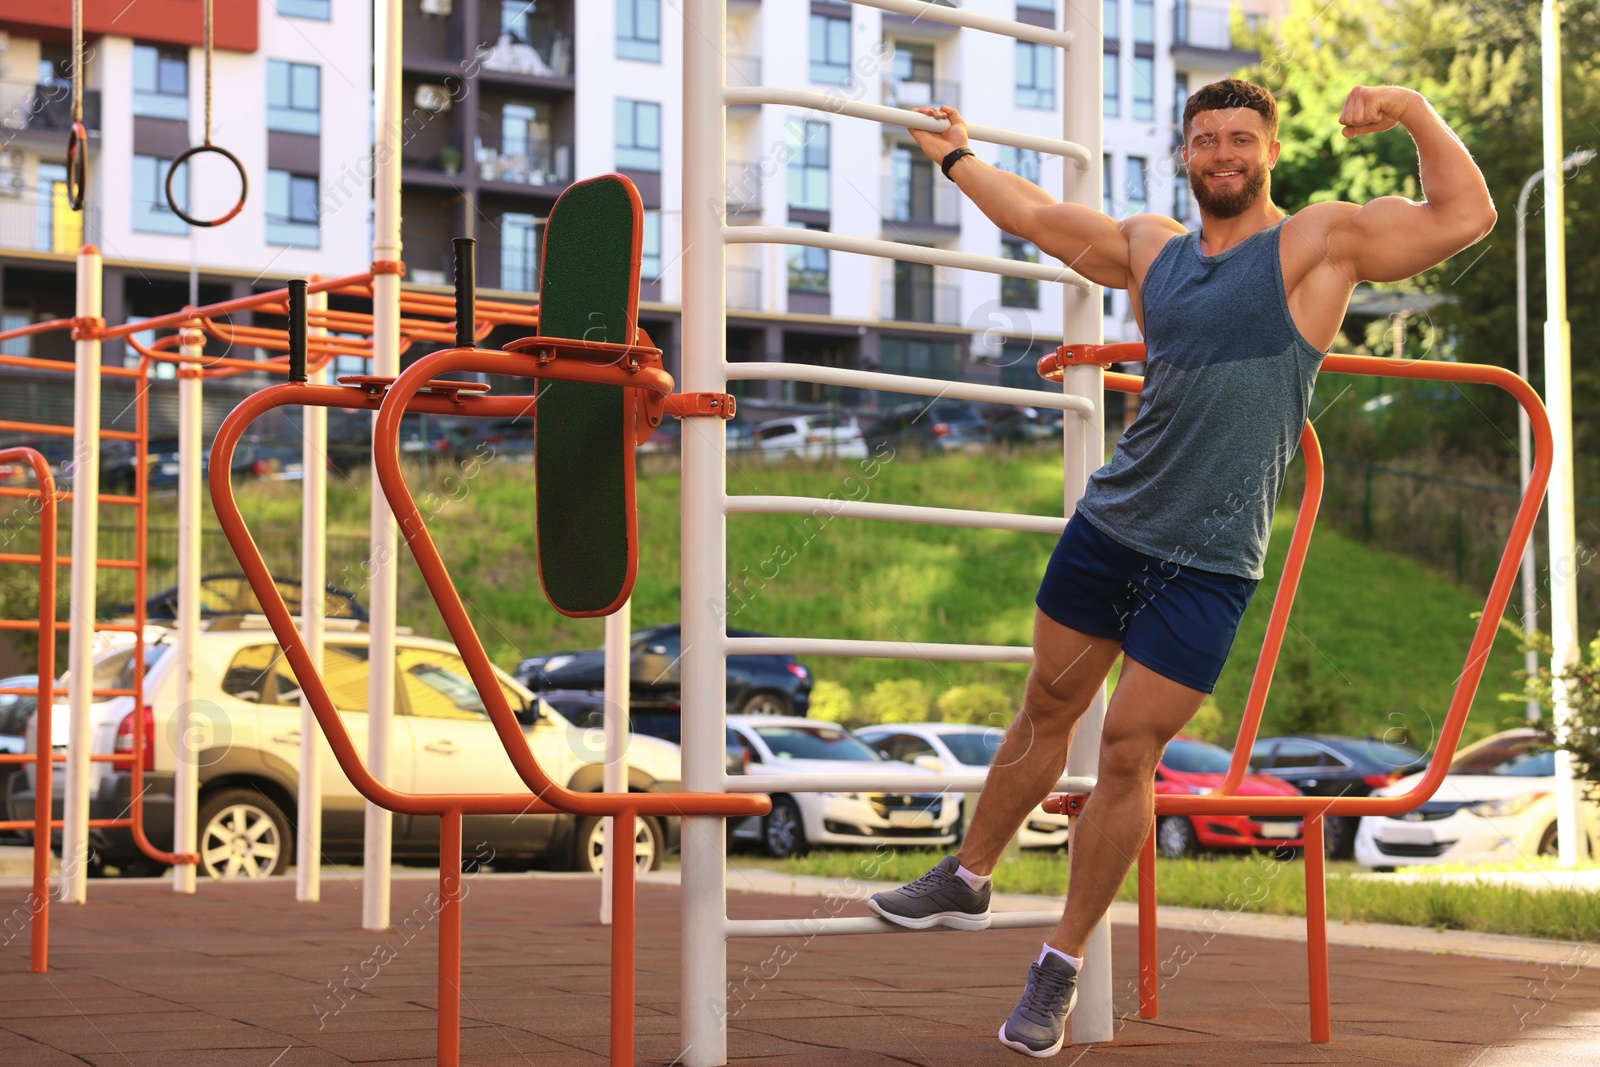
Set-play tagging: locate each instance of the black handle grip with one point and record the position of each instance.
(466, 289)
(297, 330)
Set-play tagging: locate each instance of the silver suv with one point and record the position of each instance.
(248, 725)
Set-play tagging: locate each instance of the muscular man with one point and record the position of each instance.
(1165, 548)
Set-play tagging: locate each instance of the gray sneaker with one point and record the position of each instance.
(1038, 1024)
(938, 898)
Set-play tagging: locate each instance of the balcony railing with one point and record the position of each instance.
(933, 202)
(920, 92)
(744, 71)
(545, 163)
(906, 301)
(744, 288)
(548, 55)
(34, 224)
(1201, 25)
(30, 106)
(744, 185)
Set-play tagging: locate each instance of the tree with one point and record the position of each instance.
(1579, 735)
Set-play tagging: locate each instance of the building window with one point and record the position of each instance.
(1023, 162)
(1107, 302)
(160, 82)
(1180, 198)
(306, 9)
(1108, 83)
(830, 50)
(1180, 97)
(639, 30)
(1108, 20)
(294, 97)
(1144, 21)
(808, 164)
(1036, 86)
(292, 209)
(1144, 88)
(808, 267)
(650, 267)
(519, 252)
(151, 214)
(1138, 198)
(922, 359)
(638, 136)
(1019, 292)
(1038, 5)
(1105, 185)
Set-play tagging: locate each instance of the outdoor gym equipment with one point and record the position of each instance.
(1313, 810)
(595, 435)
(78, 138)
(206, 147)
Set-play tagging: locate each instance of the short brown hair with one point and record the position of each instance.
(1231, 93)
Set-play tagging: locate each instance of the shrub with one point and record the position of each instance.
(1580, 734)
(1209, 724)
(980, 704)
(897, 700)
(832, 702)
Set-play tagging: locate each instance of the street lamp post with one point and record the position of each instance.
(1530, 599)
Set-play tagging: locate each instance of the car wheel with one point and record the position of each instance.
(243, 834)
(1549, 843)
(1175, 837)
(783, 831)
(765, 704)
(1338, 837)
(592, 844)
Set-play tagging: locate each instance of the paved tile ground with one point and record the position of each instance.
(241, 976)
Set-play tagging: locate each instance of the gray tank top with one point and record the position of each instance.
(1227, 386)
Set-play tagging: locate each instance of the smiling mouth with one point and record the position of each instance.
(1225, 175)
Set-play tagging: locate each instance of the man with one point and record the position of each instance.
(1165, 548)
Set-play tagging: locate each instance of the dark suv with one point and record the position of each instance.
(940, 426)
(757, 685)
(1325, 765)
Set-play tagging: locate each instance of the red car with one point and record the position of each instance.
(1193, 766)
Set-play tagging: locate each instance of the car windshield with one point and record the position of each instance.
(1195, 757)
(1396, 754)
(814, 742)
(1515, 756)
(974, 749)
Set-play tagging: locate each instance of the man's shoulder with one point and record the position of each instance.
(1147, 235)
(1321, 218)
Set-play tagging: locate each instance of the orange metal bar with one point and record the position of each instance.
(1149, 972)
(45, 429)
(62, 494)
(37, 327)
(66, 561)
(227, 307)
(624, 936)
(449, 1027)
(61, 366)
(44, 624)
(1317, 931)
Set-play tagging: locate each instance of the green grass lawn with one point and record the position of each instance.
(1257, 882)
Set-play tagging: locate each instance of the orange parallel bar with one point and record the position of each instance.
(37, 327)
(63, 494)
(49, 430)
(61, 757)
(62, 366)
(56, 824)
(66, 561)
(227, 307)
(44, 624)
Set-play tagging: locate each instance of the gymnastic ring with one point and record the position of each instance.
(77, 166)
(200, 149)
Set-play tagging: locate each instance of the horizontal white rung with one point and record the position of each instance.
(869, 509)
(871, 246)
(825, 646)
(868, 782)
(870, 924)
(902, 117)
(905, 383)
(955, 16)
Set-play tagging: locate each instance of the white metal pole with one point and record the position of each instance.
(385, 363)
(313, 579)
(1084, 450)
(1530, 579)
(704, 563)
(618, 677)
(85, 555)
(1558, 399)
(191, 449)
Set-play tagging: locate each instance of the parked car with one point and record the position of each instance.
(810, 437)
(15, 711)
(959, 748)
(1011, 424)
(1325, 765)
(757, 684)
(798, 821)
(1189, 765)
(442, 741)
(1497, 804)
(936, 426)
(231, 594)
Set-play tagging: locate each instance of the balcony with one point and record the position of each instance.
(743, 191)
(29, 106)
(907, 300)
(920, 92)
(547, 57)
(1202, 39)
(543, 163)
(34, 224)
(744, 71)
(744, 288)
(918, 200)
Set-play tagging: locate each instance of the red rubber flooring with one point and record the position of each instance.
(241, 976)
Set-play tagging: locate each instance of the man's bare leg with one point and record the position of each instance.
(1068, 670)
(1146, 710)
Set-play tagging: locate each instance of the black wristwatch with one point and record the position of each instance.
(954, 157)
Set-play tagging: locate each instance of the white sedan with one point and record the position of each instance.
(785, 745)
(960, 748)
(1497, 805)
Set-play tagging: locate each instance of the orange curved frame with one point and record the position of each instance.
(39, 903)
(406, 396)
(1314, 809)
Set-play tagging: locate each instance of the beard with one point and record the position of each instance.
(1229, 204)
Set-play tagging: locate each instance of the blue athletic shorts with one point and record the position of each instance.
(1178, 621)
